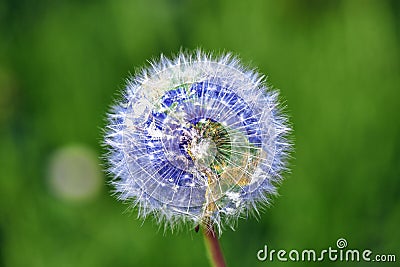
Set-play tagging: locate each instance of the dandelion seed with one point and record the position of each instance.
(197, 138)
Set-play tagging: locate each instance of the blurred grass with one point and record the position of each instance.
(336, 63)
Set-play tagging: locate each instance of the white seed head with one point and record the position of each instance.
(197, 138)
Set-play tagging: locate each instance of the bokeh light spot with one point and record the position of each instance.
(74, 173)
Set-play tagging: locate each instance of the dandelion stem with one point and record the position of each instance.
(213, 248)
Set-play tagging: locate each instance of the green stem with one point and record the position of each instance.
(213, 248)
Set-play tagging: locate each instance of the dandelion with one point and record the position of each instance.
(197, 139)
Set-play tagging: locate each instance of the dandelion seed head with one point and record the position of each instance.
(197, 138)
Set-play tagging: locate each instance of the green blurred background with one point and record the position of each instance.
(62, 64)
